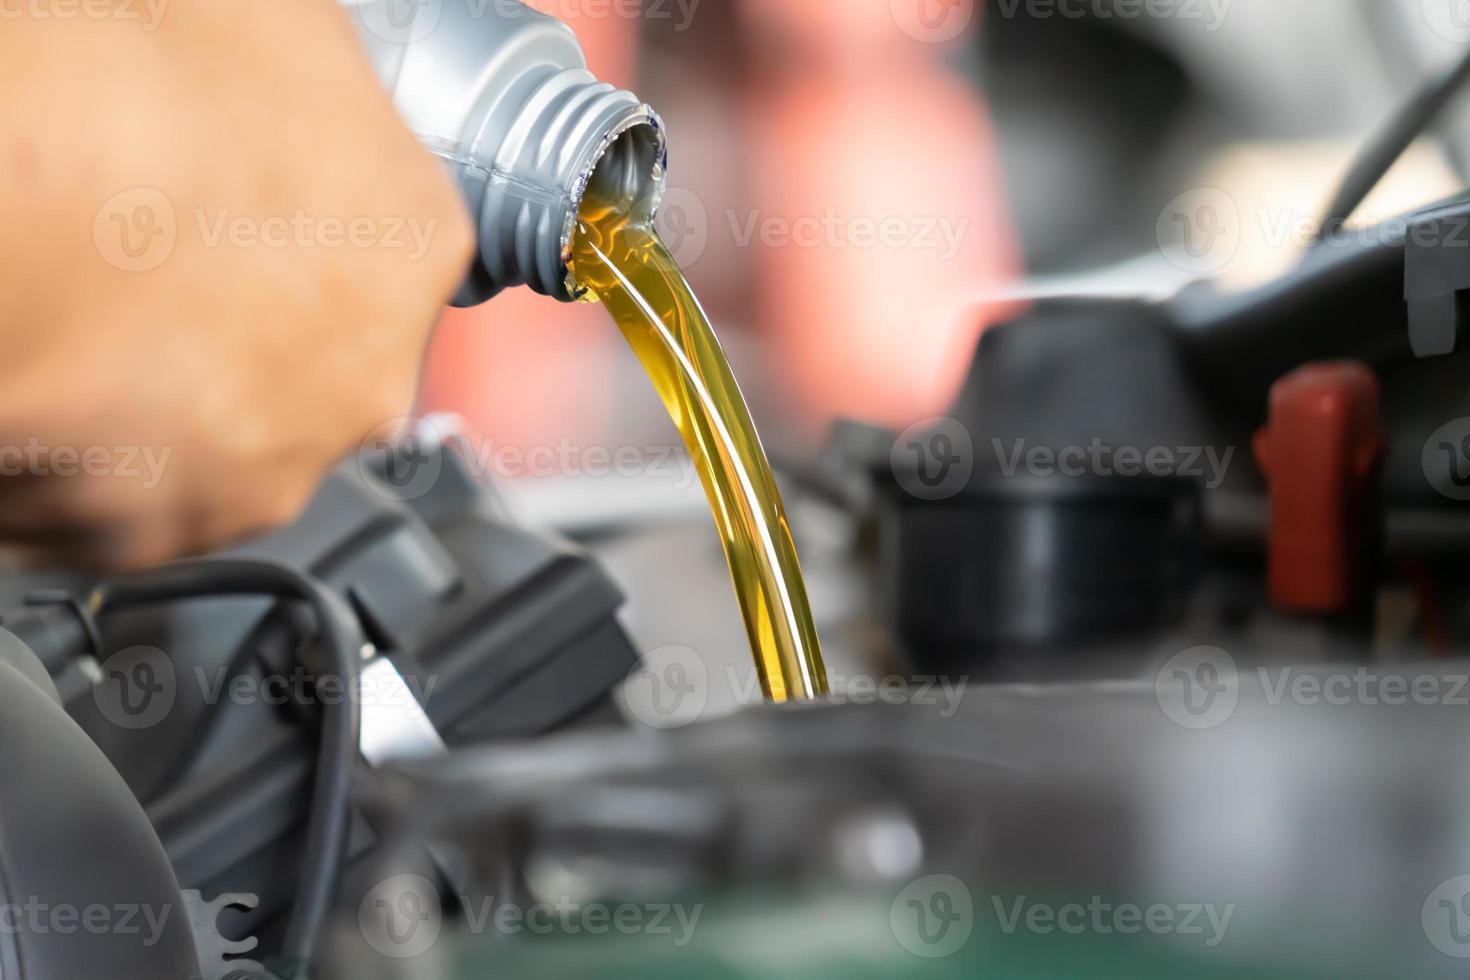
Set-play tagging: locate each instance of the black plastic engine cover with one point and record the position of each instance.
(85, 887)
(498, 631)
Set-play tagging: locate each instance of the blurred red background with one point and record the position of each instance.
(784, 118)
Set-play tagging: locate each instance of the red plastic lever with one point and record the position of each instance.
(1320, 452)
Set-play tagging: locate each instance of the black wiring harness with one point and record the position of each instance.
(60, 628)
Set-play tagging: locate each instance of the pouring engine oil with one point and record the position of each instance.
(508, 103)
(617, 257)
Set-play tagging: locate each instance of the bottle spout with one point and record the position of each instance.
(502, 94)
(591, 133)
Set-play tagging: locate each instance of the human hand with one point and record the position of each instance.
(222, 256)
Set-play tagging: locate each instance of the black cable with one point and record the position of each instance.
(56, 627)
(1376, 159)
(329, 823)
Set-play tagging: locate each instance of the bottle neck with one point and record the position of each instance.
(527, 184)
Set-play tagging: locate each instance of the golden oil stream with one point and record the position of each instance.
(619, 258)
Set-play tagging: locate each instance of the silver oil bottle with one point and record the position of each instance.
(502, 94)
